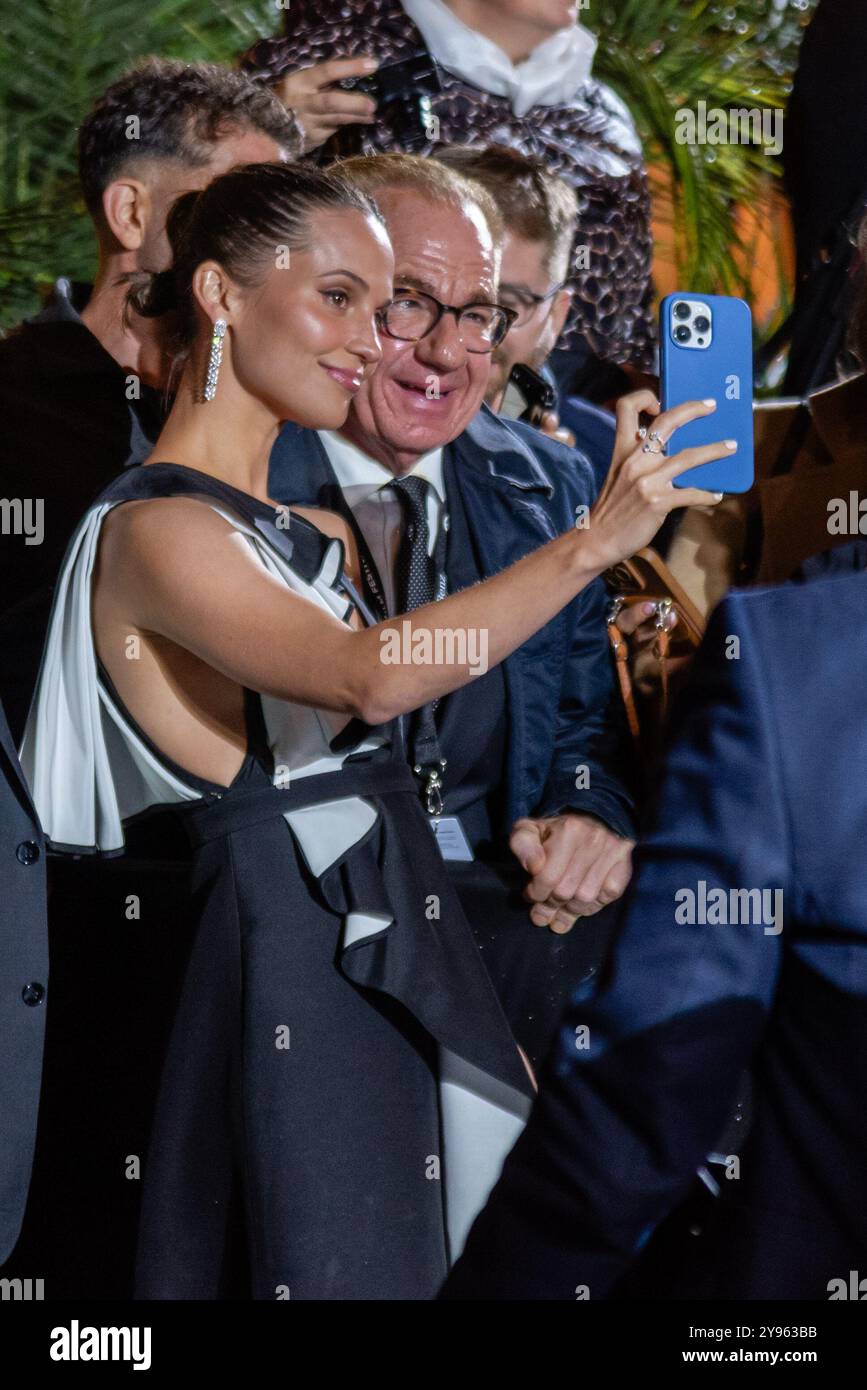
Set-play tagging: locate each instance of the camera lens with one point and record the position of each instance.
(682, 311)
(702, 324)
(682, 334)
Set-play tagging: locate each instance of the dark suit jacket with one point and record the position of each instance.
(764, 788)
(519, 490)
(68, 427)
(23, 962)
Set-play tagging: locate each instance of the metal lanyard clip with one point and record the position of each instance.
(433, 788)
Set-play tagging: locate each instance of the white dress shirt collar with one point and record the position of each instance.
(377, 509)
(357, 470)
(551, 76)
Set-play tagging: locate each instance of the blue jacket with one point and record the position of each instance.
(594, 430)
(764, 789)
(520, 489)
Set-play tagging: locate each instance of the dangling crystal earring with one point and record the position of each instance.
(215, 357)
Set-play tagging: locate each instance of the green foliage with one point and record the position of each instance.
(55, 58)
(668, 55)
(58, 55)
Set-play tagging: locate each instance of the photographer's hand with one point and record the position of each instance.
(321, 109)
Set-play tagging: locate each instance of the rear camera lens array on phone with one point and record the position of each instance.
(691, 323)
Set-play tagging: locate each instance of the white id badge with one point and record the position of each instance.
(451, 838)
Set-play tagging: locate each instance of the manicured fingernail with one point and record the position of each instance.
(711, 404)
(370, 63)
(731, 443)
(718, 497)
(650, 608)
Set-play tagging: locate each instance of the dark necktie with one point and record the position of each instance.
(415, 580)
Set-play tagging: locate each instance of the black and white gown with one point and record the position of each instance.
(341, 1085)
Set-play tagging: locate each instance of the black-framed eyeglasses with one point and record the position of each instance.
(412, 314)
(524, 303)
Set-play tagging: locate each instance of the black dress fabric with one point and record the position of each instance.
(298, 1146)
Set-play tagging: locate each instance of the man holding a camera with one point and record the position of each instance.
(514, 72)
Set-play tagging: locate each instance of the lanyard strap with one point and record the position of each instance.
(372, 584)
(427, 760)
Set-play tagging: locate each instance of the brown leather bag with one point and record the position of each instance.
(645, 578)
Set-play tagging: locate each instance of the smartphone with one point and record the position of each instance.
(528, 396)
(706, 352)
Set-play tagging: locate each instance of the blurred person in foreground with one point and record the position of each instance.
(742, 945)
(516, 72)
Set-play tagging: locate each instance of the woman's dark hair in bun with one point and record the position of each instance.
(243, 220)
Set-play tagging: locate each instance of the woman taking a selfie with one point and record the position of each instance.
(341, 1085)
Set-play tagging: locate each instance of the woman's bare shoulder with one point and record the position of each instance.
(146, 518)
(157, 535)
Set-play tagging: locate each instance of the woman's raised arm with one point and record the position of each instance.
(179, 569)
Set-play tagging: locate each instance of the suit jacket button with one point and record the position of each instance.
(33, 994)
(27, 852)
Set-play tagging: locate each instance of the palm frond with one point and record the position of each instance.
(666, 57)
(55, 58)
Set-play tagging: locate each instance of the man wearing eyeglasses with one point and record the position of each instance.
(540, 212)
(523, 770)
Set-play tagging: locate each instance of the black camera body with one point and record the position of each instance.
(527, 396)
(402, 91)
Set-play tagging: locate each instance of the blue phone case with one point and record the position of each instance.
(723, 371)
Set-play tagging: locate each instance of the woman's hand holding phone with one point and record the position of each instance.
(638, 493)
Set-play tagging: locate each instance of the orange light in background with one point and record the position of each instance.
(766, 250)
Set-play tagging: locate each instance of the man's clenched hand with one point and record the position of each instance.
(576, 866)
